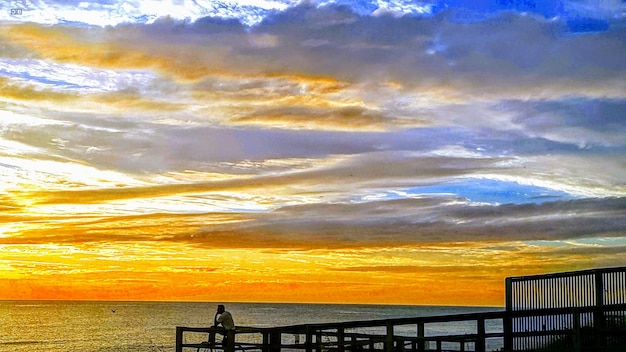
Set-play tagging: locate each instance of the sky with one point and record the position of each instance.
(383, 152)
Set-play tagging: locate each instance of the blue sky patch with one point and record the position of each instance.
(585, 25)
(494, 192)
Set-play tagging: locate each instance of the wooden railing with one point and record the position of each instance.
(562, 329)
(573, 311)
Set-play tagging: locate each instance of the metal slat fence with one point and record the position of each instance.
(577, 289)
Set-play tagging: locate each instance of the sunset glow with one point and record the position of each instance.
(308, 152)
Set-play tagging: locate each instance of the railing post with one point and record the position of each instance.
(266, 342)
(480, 331)
(353, 343)
(340, 339)
(179, 339)
(420, 334)
(389, 337)
(598, 315)
(212, 338)
(308, 344)
(577, 341)
(399, 344)
(318, 341)
(230, 341)
(599, 279)
(507, 324)
(275, 341)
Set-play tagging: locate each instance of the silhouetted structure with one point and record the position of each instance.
(580, 311)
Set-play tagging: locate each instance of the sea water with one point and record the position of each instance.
(96, 326)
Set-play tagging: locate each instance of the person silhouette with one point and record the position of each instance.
(224, 318)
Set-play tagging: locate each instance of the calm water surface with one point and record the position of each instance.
(37, 326)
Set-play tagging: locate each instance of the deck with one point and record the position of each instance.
(576, 311)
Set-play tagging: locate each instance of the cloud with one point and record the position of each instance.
(12, 91)
(435, 48)
(76, 45)
(306, 117)
(441, 72)
(251, 14)
(585, 122)
(343, 143)
(595, 9)
(424, 51)
(96, 228)
(221, 94)
(419, 221)
(370, 170)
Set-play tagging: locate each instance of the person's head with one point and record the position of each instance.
(221, 309)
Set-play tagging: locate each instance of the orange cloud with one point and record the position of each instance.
(121, 102)
(59, 44)
(16, 92)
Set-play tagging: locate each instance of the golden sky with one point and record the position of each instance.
(320, 156)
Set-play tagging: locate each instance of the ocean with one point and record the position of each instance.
(97, 326)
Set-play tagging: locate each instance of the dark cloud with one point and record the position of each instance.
(505, 50)
(212, 144)
(359, 173)
(579, 121)
(419, 221)
(513, 48)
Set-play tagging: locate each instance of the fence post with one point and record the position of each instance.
(508, 319)
(179, 339)
(353, 343)
(598, 315)
(230, 341)
(340, 339)
(318, 341)
(275, 341)
(480, 339)
(389, 337)
(577, 341)
(599, 279)
(266, 342)
(420, 334)
(308, 344)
